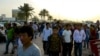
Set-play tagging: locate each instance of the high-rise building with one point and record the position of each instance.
(2, 16)
(15, 13)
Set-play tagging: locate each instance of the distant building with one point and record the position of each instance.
(2, 16)
(15, 13)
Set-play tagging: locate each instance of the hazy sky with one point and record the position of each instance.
(68, 9)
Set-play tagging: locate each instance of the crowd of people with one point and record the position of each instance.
(59, 39)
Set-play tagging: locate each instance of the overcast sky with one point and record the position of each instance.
(66, 9)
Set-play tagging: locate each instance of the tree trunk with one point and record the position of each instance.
(50, 20)
(41, 18)
(26, 18)
(44, 18)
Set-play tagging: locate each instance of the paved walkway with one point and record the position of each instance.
(37, 41)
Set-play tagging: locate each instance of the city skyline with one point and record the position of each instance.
(76, 10)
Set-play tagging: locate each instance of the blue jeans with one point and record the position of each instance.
(78, 49)
(7, 44)
(86, 42)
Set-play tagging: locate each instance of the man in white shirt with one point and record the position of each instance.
(78, 36)
(67, 41)
(47, 31)
(35, 28)
(19, 43)
(2, 35)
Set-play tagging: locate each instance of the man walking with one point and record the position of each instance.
(46, 33)
(28, 48)
(67, 41)
(78, 36)
(10, 36)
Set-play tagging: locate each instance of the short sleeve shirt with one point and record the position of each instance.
(33, 50)
(54, 43)
(67, 35)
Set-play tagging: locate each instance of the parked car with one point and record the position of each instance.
(1, 25)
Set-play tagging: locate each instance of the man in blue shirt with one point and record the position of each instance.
(28, 48)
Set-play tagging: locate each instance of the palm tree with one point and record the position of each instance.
(40, 14)
(43, 13)
(26, 10)
(55, 20)
(50, 18)
(36, 19)
(21, 16)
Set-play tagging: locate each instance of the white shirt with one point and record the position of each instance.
(32, 50)
(99, 34)
(19, 43)
(67, 35)
(78, 36)
(35, 27)
(2, 31)
(46, 33)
